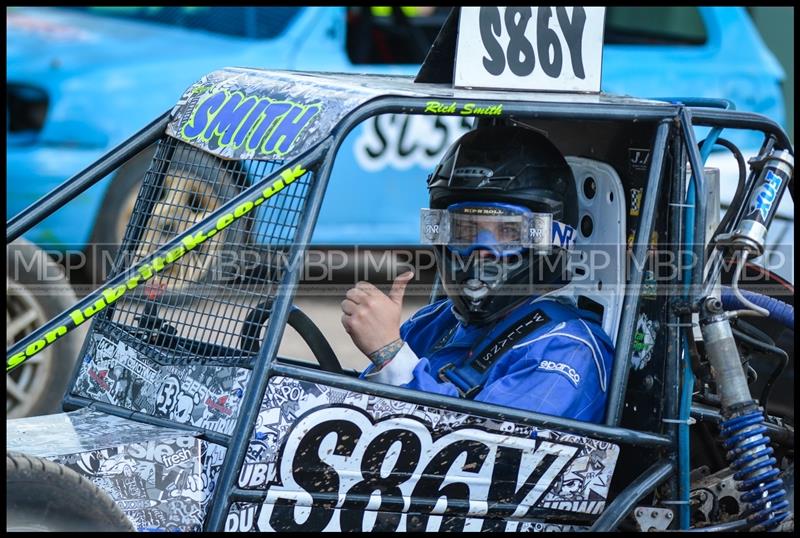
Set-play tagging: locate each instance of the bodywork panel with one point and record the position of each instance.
(161, 478)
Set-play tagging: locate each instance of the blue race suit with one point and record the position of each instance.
(561, 368)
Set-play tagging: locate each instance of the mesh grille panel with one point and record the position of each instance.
(210, 305)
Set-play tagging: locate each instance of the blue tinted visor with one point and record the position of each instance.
(500, 228)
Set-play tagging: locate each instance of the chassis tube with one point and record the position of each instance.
(63, 323)
(700, 203)
(625, 501)
(250, 406)
(69, 189)
(619, 374)
(741, 120)
(712, 102)
(672, 369)
(460, 405)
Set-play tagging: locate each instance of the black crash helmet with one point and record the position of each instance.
(511, 165)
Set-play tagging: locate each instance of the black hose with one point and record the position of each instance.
(738, 197)
(251, 328)
(754, 332)
(766, 347)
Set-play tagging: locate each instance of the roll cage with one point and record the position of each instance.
(349, 100)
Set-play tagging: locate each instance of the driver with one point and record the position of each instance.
(503, 211)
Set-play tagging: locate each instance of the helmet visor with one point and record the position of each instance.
(503, 229)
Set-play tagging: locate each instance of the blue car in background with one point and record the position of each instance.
(81, 80)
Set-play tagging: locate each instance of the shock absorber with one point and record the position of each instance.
(742, 431)
(751, 234)
(756, 475)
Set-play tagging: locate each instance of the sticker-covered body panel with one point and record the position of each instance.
(243, 517)
(324, 456)
(161, 478)
(238, 113)
(203, 396)
(241, 113)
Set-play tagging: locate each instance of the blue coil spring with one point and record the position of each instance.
(756, 474)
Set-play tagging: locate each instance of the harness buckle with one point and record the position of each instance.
(471, 392)
(468, 394)
(442, 373)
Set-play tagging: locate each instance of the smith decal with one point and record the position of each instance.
(259, 124)
(341, 470)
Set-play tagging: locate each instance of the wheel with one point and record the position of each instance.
(42, 495)
(36, 291)
(311, 334)
(194, 185)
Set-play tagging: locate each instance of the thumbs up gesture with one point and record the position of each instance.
(371, 317)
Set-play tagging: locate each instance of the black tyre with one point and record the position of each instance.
(36, 291)
(42, 495)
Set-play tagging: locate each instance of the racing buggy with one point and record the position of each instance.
(181, 415)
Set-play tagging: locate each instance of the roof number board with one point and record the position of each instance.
(530, 48)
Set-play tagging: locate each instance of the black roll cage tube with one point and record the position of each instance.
(80, 182)
(264, 367)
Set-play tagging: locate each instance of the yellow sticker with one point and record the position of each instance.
(636, 202)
